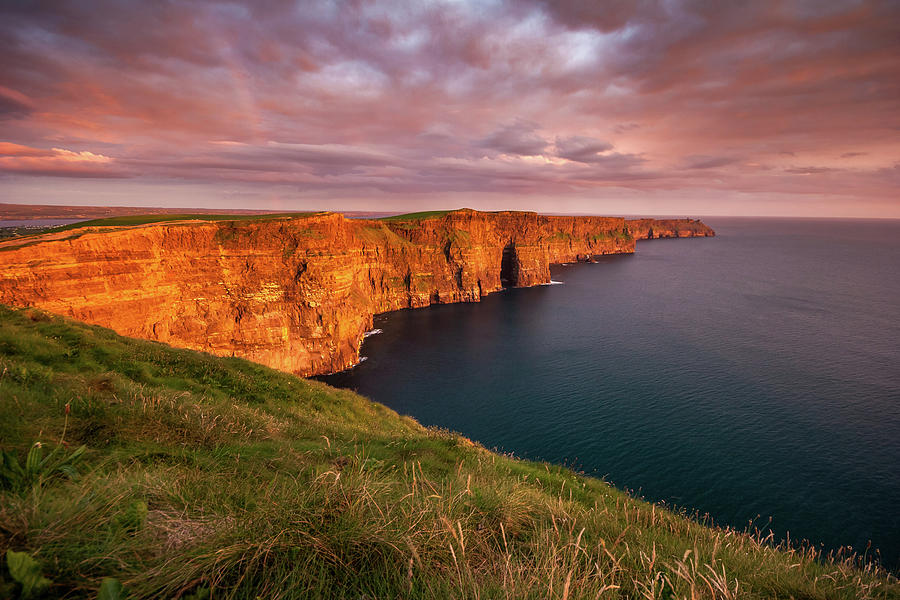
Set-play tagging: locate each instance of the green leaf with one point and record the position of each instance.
(9, 477)
(68, 470)
(26, 572)
(33, 460)
(110, 589)
(47, 460)
(76, 454)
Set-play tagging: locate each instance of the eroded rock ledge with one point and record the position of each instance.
(297, 294)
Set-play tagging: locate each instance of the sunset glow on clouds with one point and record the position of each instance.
(567, 106)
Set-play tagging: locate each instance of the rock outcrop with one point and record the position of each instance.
(646, 229)
(299, 293)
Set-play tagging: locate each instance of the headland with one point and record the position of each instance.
(295, 292)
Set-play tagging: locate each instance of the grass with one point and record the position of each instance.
(14, 232)
(131, 220)
(418, 216)
(218, 476)
(618, 235)
(166, 218)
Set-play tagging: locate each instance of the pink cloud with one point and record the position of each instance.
(549, 99)
(58, 162)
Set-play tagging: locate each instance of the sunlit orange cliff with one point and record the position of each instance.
(297, 293)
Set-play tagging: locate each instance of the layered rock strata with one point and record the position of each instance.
(296, 294)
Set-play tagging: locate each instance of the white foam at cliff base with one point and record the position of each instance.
(373, 332)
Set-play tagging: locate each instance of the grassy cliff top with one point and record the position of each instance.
(128, 220)
(435, 214)
(419, 216)
(56, 233)
(205, 475)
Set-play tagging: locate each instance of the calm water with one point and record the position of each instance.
(748, 376)
(37, 223)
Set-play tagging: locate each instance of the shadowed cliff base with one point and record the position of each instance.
(296, 293)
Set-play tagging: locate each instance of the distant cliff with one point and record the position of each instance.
(297, 293)
(645, 229)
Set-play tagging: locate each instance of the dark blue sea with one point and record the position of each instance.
(754, 376)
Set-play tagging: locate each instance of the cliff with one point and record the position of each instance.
(293, 293)
(645, 229)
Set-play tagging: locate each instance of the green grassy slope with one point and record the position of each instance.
(167, 218)
(205, 474)
(417, 216)
(29, 236)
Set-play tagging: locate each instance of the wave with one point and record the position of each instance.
(373, 332)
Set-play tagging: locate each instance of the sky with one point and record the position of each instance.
(681, 107)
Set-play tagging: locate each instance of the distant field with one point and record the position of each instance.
(29, 233)
(15, 212)
(50, 211)
(427, 214)
(162, 218)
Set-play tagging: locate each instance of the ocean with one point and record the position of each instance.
(753, 377)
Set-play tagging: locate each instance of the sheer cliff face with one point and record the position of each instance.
(295, 294)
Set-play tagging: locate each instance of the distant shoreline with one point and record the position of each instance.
(28, 212)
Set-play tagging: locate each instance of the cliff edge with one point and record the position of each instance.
(297, 293)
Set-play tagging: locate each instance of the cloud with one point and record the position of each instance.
(517, 138)
(79, 157)
(604, 16)
(14, 103)
(809, 170)
(625, 127)
(57, 162)
(545, 98)
(709, 162)
(8, 149)
(582, 149)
